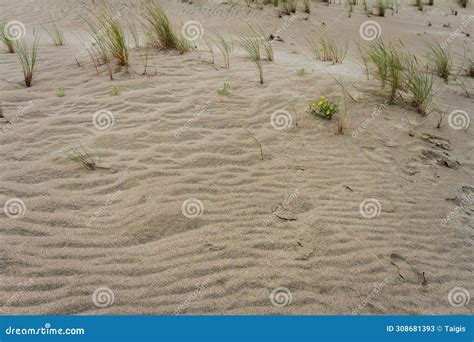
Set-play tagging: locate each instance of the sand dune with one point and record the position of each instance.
(291, 222)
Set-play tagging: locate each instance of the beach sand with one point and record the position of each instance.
(184, 216)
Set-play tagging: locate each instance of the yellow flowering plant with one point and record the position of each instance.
(325, 108)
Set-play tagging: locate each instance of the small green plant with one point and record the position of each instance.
(464, 3)
(252, 43)
(115, 90)
(419, 4)
(225, 90)
(27, 57)
(55, 32)
(60, 92)
(300, 72)
(324, 108)
(4, 37)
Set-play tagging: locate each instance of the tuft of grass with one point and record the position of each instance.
(328, 49)
(419, 4)
(464, 3)
(287, 7)
(442, 60)
(60, 92)
(300, 72)
(389, 62)
(225, 90)
(5, 39)
(420, 85)
(225, 47)
(210, 48)
(109, 34)
(252, 44)
(307, 6)
(381, 6)
(55, 32)
(81, 155)
(115, 90)
(164, 36)
(27, 56)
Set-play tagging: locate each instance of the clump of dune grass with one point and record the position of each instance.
(389, 62)
(464, 3)
(287, 7)
(328, 48)
(225, 47)
(210, 48)
(55, 32)
(381, 6)
(301, 71)
(81, 155)
(307, 6)
(27, 57)
(420, 86)
(442, 60)
(164, 36)
(252, 44)
(470, 68)
(6, 39)
(108, 32)
(419, 4)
